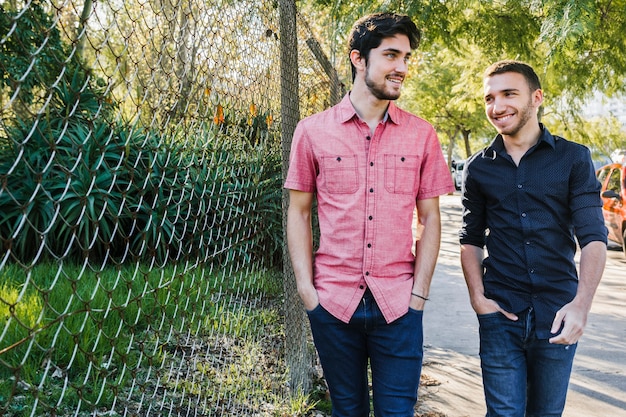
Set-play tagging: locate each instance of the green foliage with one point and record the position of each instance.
(501, 29)
(133, 194)
(602, 134)
(585, 47)
(34, 27)
(300, 405)
(55, 168)
(452, 103)
(80, 183)
(87, 187)
(267, 240)
(112, 233)
(82, 327)
(577, 48)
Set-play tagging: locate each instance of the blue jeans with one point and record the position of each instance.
(395, 355)
(523, 376)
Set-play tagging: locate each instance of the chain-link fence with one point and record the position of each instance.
(141, 238)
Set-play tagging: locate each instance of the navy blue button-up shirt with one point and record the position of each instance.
(529, 218)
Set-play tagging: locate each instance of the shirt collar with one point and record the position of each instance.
(546, 137)
(347, 111)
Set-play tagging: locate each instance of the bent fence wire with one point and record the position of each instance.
(141, 237)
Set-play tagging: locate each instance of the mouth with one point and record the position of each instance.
(502, 118)
(395, 79)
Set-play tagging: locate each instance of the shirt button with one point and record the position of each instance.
(402, 159)
(523, 214)
(368, 137)
(528, 242)
(370, 217)
(369, 245)
(361, 286)
(519, 185)
(371, 164)
(532, 271)
(367, 273)
(371, 190)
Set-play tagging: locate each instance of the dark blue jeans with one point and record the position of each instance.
(522, 376)
(395, 355)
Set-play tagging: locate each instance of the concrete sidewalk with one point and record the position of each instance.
(452, 380)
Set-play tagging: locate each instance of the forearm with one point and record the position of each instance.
(426, 254)
(570, 321)
(471, 262)
(592, 261)
(299, 241)
(300, 245)
(426, 251)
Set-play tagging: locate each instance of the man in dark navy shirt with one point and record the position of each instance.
(529, 197)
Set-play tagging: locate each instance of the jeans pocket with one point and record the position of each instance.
(487, 316)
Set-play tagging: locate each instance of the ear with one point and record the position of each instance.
(357, 59)
(538, 97)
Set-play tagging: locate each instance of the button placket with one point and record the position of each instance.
(370, 209)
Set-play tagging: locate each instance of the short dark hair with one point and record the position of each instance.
(519, 67)
(369, 31)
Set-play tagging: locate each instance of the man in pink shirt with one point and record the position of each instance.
(369, 164)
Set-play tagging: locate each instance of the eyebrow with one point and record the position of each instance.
(506, 90)
(396, 51)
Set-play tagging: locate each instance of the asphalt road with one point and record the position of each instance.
(451, 364)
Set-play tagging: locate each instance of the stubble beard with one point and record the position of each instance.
(379, 90)
(525, 115)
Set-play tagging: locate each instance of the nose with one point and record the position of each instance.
(402, 66)
(497, 106)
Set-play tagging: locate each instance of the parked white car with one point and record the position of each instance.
(458, 174)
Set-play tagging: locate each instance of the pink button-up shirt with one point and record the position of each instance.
(367, 186)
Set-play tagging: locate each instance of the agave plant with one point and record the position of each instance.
(26, 207)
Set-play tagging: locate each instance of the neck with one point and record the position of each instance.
(369, 108)
(517, 145)
(525, 139)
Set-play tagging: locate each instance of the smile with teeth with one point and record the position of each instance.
(397, 80)
(502, 118)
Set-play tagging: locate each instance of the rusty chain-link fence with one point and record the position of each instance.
(142, 148)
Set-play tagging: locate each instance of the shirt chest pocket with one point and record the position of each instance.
(340, 174)
(401, 173)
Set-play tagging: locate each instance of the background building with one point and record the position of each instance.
(600, 105)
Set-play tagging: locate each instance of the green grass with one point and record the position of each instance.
(72, 338)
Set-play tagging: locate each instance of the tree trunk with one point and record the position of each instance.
(297, 355)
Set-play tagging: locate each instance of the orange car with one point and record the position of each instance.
(613, 179)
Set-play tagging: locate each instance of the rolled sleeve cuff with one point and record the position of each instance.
(590, 233)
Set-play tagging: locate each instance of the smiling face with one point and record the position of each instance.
(386, 67)
(510, 104)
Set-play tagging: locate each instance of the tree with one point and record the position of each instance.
(602, 135)
(444, 89)
(577, 48)
(585, 45)
(19, 78)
